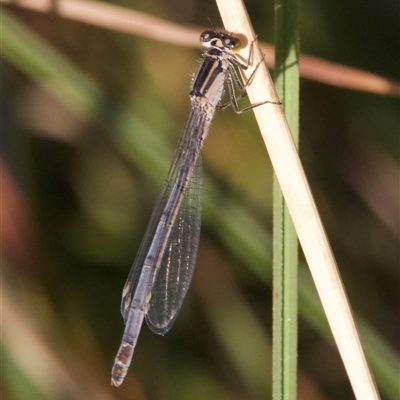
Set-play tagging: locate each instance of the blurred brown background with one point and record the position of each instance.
(80, 176)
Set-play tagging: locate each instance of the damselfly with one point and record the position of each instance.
(164, 265)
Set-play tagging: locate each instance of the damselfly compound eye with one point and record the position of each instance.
(207, 36)
(232, 43)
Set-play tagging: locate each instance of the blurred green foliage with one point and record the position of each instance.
(90, 119)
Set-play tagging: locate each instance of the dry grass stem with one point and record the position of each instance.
(125, 20)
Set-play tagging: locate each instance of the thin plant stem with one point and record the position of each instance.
(285, 247)
(296, 190)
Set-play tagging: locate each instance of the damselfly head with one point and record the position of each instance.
(222, 40)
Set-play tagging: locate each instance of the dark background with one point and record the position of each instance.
(77, 192)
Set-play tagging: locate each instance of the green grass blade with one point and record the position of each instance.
(285, 246)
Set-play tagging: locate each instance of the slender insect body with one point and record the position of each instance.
(164, 265)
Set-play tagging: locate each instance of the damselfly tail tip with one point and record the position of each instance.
(121, 364)
(116, 376)
(115, 382)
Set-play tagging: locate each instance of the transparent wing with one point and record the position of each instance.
(134, 274)
(178, 262)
